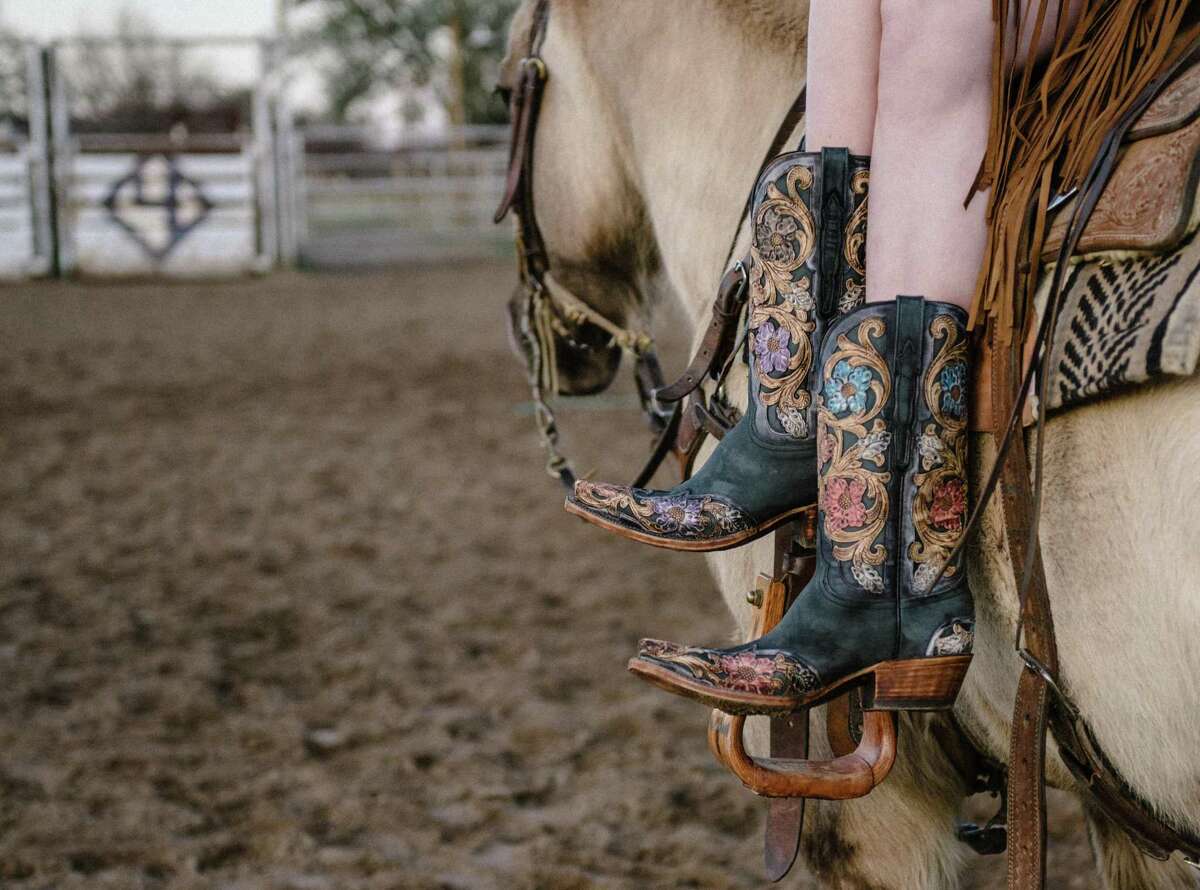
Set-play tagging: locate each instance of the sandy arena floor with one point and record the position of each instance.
(286, 601)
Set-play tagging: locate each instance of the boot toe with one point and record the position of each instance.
(660, 514)
(768, 672)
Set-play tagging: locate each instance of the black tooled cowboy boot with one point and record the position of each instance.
(806, 266)
(892, 433)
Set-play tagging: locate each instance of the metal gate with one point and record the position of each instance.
(26, 236)
(165, 199)
(417, 199)
(162, 198)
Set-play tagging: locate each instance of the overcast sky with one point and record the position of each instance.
(61, 18)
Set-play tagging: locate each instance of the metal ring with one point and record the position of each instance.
(1035, 665)
(537, 64)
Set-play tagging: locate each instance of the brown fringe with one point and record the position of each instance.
(1047, 127)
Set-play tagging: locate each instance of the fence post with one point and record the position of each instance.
(61, 163)
(264, 163)
(40, 197)
(287, 163)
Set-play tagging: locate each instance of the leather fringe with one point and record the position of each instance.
(1048, 122)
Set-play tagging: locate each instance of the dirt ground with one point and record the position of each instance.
(286, 601)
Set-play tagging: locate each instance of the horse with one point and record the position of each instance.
(651, 130)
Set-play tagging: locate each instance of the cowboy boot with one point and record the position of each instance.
(809, 215)
(892, 434)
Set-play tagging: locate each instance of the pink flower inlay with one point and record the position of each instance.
(949, 504)
(748, 672)
(843, 503)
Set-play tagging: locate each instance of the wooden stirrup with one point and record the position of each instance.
(851, 775)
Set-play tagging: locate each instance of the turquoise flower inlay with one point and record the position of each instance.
(846, 389)
(954, 389)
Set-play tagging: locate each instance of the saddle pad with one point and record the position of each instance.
(1125, 321)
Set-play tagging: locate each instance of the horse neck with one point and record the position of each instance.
(701, 108)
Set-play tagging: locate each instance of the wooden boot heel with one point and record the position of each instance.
(916, 684)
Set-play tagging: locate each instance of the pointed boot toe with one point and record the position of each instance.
(663, 518)
(741, 680)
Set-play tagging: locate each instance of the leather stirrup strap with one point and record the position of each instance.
(788, 735)
(1027, 743)
(1026, 815)
(718, 337)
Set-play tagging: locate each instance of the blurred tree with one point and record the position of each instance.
(137, 80)
(14, 105)
(369, 47)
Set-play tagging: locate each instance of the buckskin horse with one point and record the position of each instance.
(651, 131)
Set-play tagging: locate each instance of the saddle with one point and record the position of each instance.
(1131, 306)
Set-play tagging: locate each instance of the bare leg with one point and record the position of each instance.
(843, 72)
(930, 133)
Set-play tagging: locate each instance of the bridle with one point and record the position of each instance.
(546, 317)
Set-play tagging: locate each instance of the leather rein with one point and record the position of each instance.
(545, 316)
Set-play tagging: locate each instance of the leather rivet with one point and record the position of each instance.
(755, 598)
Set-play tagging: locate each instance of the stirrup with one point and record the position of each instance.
(849, 775)
(843, 778)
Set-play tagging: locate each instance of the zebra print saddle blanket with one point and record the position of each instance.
(1131, 311)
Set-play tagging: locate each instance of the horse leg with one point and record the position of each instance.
(1123, 867)
(898, 837)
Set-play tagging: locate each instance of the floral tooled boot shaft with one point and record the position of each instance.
(806, 266)
(892, 455)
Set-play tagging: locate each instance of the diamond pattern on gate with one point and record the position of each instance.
(157, 204)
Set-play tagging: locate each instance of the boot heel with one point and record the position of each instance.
(916, 684)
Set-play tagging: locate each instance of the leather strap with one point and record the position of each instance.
(1027, 785)
(528, 100)
(788, 735)
(1033, 709)
(835, 166)
(718, 338)
(665, 444)
(1027, 743)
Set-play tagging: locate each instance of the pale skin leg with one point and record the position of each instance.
(843, 70)
(930, 134)
(909, 82)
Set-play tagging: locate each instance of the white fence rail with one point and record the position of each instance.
(18, 257)
(247, 200)
(412, 203)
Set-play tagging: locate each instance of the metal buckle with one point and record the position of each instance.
(536, 63)
(1060, 199)
(1042, 671)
